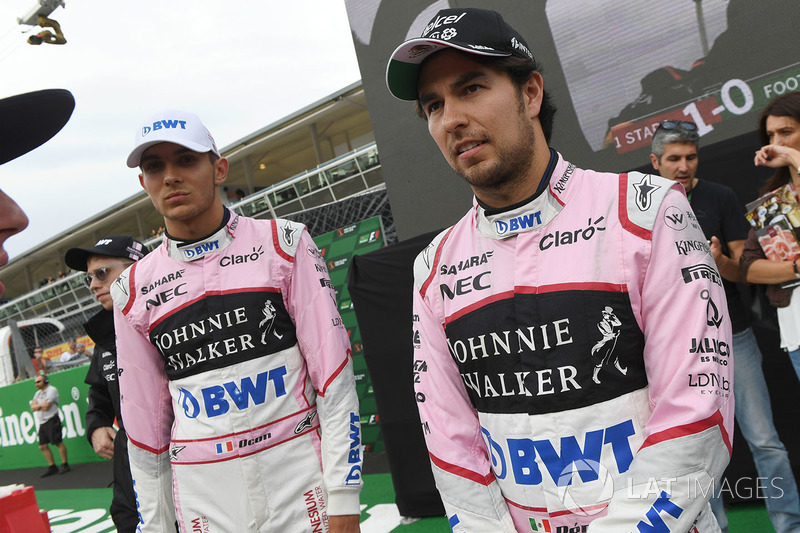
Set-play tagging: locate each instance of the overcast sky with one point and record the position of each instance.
(239, 65)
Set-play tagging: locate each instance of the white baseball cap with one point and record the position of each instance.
(173, 126)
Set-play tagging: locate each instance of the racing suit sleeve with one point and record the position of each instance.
(100, 412)
(683, 313)
(147, 410)
(325, 346)
(456, 448)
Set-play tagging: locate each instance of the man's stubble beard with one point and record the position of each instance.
(513, 162)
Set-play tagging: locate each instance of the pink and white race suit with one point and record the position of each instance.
(237, 384)
(572, 360)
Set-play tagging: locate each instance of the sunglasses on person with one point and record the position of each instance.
(101, 274)
(678, 124)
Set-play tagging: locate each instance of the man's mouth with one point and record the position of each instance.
(467, 147)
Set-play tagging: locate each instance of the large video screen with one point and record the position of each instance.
(614, 68)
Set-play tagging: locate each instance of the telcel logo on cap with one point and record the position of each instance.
(164, 124)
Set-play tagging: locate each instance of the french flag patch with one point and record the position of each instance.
(224, 447)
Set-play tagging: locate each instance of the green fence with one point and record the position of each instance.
(338, 247)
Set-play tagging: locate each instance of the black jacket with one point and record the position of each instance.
(103, 408)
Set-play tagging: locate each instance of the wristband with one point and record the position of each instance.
(794, 266)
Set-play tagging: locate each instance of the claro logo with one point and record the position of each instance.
(229, 260)
(565, 238)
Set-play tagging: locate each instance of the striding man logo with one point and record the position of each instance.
(603, 350)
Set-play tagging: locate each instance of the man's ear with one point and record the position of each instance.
(220, 171)
(654, 161)
(533, 94)
(141, 182)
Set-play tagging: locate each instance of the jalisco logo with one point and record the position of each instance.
(233, 259)
(200, 250)
(475, 260)
(701, 271)
(565, 238)
(518, 223)
(719, 350)
(214, 402)
(164, 124)
(178, 274)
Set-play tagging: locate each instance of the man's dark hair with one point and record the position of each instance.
(786, 105)
(519, 70)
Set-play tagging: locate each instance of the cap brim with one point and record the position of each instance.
(77, 258)
(135, 157)
(402, 72)
(31, 119)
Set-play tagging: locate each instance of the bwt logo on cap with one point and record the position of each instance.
(164, 124)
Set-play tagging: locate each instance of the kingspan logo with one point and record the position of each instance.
(201, 249)
(518, 223)
(239, 395)
(164, 125)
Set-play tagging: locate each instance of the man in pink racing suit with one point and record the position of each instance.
(572, 363)
(235, 370)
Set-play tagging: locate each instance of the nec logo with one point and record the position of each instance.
(466, 285)
(165, 125)
(518, 223)
(165, 296)
(200, 249)
(214, 397)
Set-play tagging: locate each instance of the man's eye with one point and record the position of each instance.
(472, 88)
(433, 107)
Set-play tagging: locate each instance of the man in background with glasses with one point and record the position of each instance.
(675, 156)
(103, 263)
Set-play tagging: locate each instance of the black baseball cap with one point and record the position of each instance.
(123, 246)
(471, 30)
(31, 119)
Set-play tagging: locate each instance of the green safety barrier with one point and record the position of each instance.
(19, 434)
(338, 248)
